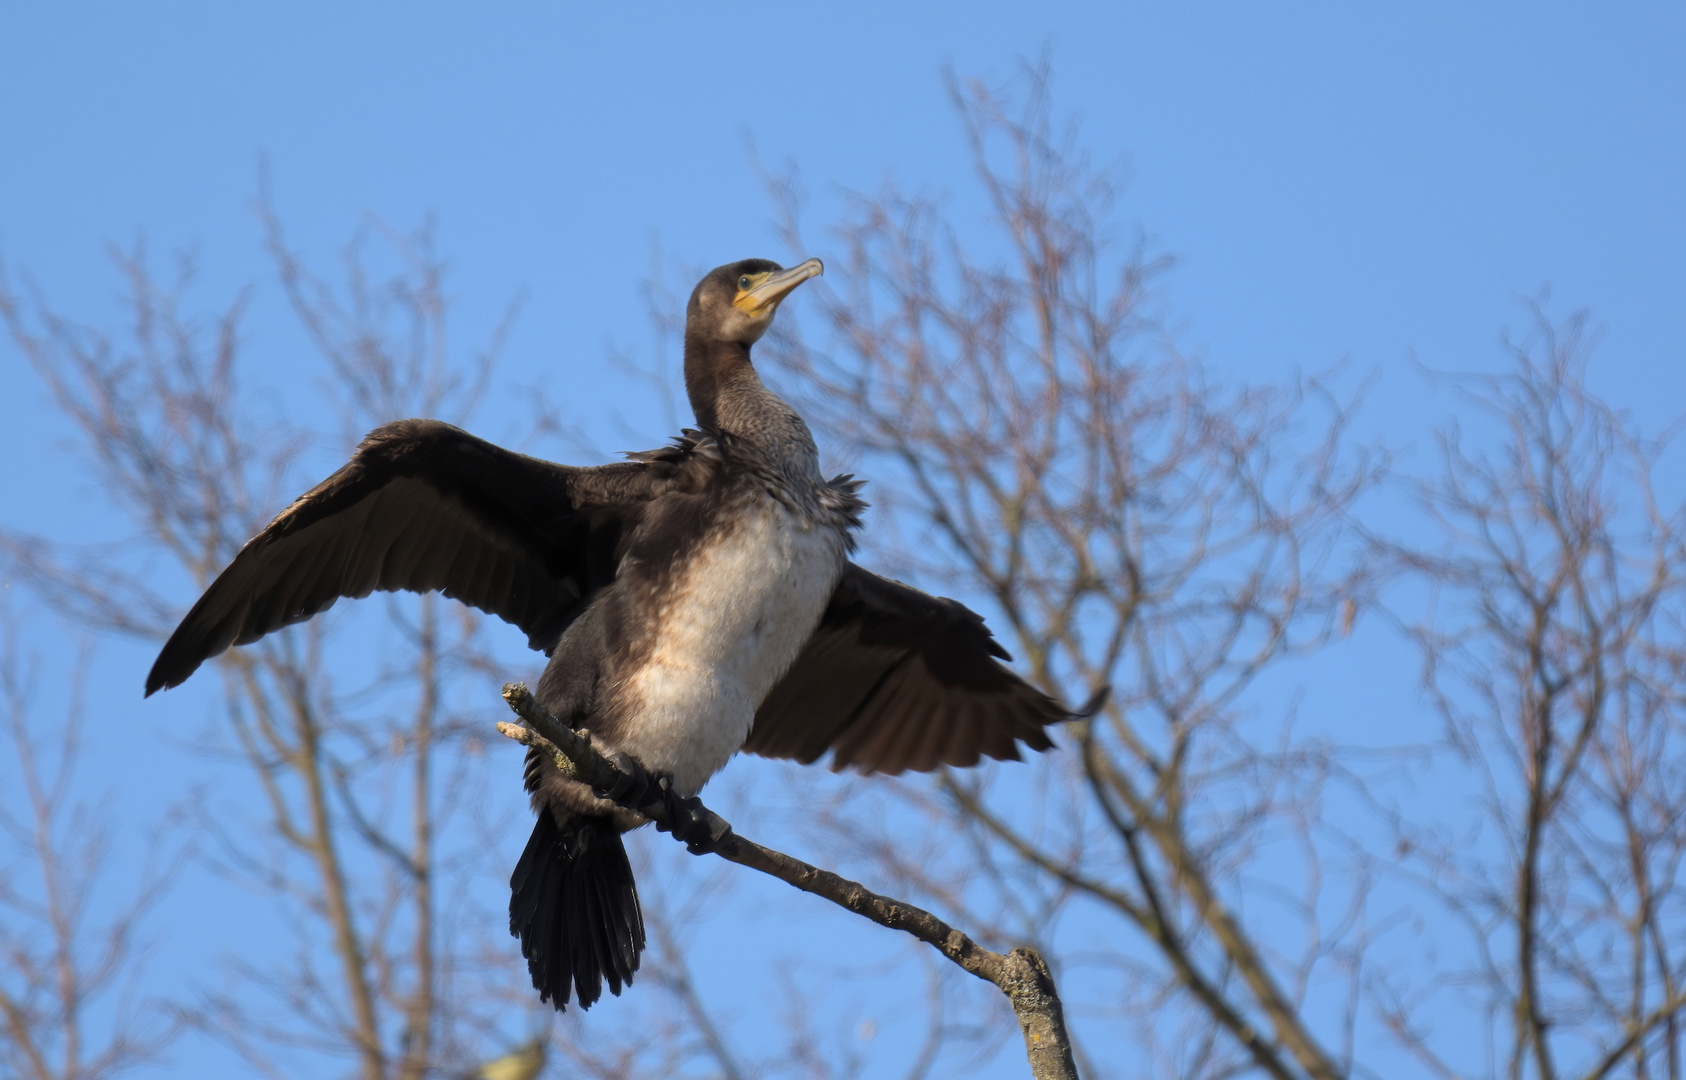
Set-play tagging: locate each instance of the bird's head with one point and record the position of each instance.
(735, 303)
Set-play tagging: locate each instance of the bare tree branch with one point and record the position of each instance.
(67, 970)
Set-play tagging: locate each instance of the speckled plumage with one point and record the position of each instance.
(718, 589)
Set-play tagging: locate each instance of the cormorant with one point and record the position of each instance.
(694, 601)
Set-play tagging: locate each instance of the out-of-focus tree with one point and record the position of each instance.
(72, 999)
(353, 817)
(1192, 862)
(1037, 442)
(1554, 655)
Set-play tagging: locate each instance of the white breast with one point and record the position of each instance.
(739, 612)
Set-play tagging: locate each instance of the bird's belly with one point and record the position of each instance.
(740, 610)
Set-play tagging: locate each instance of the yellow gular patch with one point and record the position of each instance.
(745, 300)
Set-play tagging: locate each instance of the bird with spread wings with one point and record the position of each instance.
(693, 601)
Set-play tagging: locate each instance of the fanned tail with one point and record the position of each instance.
(574, 906)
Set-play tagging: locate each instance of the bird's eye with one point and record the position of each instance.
(744, 283)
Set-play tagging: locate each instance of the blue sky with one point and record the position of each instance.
(1334, 181)
(1352, 182)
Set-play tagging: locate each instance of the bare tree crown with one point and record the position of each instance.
(1039, 445)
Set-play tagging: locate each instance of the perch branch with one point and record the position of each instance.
(1021, 974)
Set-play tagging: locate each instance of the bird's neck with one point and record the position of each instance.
(730, 399)
(726, 393)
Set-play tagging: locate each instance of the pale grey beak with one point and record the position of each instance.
(776, 288)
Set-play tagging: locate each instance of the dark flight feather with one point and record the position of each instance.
(424, 506)
(895, 679)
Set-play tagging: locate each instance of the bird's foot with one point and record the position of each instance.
(689, 820)
(633, 788)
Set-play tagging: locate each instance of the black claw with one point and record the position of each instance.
(632, 788)
(690, 821)
(709, 838)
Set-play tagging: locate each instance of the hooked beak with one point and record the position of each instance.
(766, 296)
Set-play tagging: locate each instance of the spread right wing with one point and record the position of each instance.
(424, 506)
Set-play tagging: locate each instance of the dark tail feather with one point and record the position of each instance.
(574, 906)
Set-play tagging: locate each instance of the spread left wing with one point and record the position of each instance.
(896, 679)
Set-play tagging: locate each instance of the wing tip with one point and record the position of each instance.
(159, 679)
